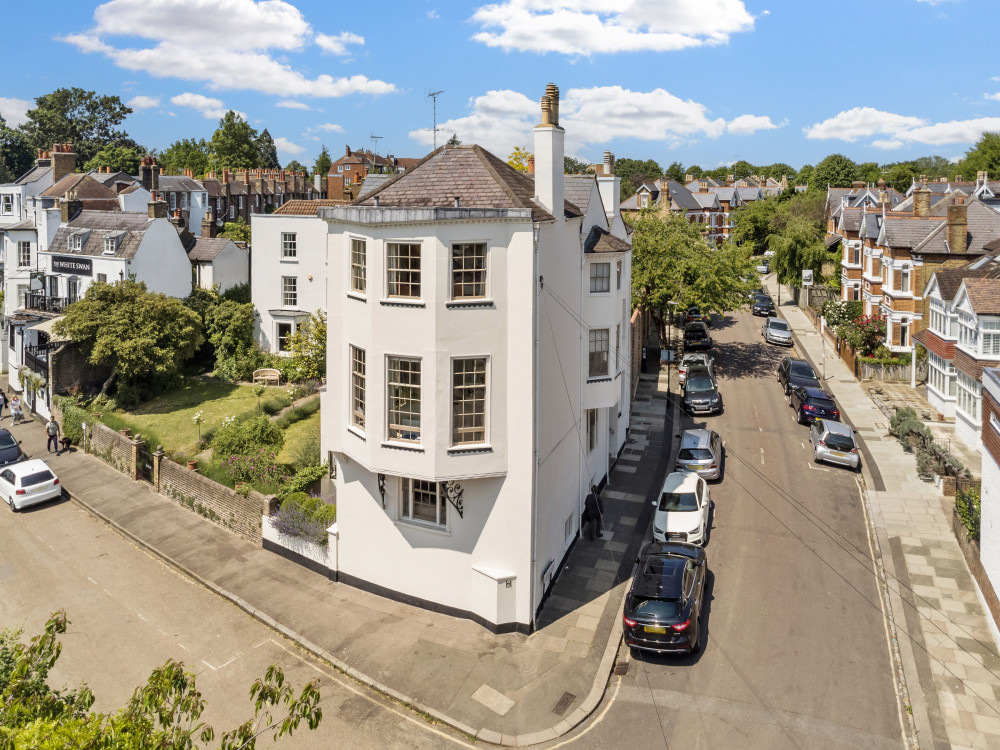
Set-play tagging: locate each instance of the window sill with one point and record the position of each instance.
(357, 433)
(357, 297)
(470, 304)
(421, 526)
(288, 260)
(411, 447)
(472, 449)
(401, 303)
(602, 379)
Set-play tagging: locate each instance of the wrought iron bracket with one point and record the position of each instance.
(454, 492)
(381, 488)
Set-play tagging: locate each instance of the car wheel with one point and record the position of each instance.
(10, 502)
(696, 646)
(802, 417)
(815, 458)
(789, 395)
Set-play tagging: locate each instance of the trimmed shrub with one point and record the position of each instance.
(298, 413)
(968, 503)
(294, 521)
(242, 437)
(303, 480)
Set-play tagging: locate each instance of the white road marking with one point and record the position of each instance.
(141, 617)
(108, 593)
(209, 665)
(92, 580)
(761, 456)
(816, 468)
(802, 444)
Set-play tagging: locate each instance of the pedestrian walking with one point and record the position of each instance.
(3, 402)
(593, 513)
(52, 430)
(15, 410)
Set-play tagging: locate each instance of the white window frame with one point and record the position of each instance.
(289, 291)
(469, 276)
(23, 254)
(173, 202)
(359, 378)
(401, 279)
(593, 422)
(359, 265)
(109, 246)
(595, 338)
(75, 242)
(407, 488)
(289, 247)
(241, 203)
(470, 400)
(184, 201)
(969, 397)
(232, 212)
(600, 278)
(400, 391)
(7, 204)
(278, 339)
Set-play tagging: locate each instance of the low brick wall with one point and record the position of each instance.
(970, 548)
(112, 447)
(214, 501)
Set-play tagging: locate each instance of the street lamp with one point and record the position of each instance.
(671, 305)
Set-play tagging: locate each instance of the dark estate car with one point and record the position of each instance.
(10, 450)
(701, 392)
(793, 372)
(696, 336)
(811, 404)
(663, 606)
(762, 305)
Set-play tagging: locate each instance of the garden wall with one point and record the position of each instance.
(317, 558)
(111, 447)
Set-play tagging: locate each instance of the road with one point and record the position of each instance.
(796, 652)
(130, 612)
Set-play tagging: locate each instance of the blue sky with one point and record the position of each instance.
(702, 82)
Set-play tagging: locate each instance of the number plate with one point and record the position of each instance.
(696, 466)
(837, 453)
(654, 629)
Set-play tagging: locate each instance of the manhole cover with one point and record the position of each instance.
(563, 704)
(621, 668)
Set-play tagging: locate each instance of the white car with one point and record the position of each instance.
(764, 267)
(28, 483)
(682, 510)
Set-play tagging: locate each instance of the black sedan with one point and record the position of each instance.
(701, 393)
(663, 606)
(696, 336)
(762, 305)
(10, 450)
(811, 404)
(794, 372)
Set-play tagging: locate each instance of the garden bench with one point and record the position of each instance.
(267, 376)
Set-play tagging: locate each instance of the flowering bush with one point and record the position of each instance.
(840, 311)
(295, 521)
(866, 334)
(260, 469)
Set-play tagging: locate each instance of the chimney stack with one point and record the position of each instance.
(688, 178)
(550, 156)
(703, 186)
(922, 201)
(63, 161)
(958, 225)
(730, 179)
(146, 173)
(208, 228)
(531, 164)
(609, 164)
(609, 185)
(177, 219)
(157, 208)
(69, 207)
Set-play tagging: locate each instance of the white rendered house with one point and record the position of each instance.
(477, 365)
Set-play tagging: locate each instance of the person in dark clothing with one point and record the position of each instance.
(593, 513)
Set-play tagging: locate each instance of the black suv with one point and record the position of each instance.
(663, 606)
(795, 372)
(762, 305)
(701, 392)
(696, 336)
(811, 404)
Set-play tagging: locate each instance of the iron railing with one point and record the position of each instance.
(45, 303)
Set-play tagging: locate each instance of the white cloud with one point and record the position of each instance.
(326, 127)
(750, 124)
(586, 27)
(899, 130)
(433, 14)
(292, 104)
(501, 120)
(15, 111)
(143, 102)
(180, 39)
(936, 2)
(206, 106)
(994, 97)
(285, 146)
(337, 45)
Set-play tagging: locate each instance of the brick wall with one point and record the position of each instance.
(112, 447)
(212, 500)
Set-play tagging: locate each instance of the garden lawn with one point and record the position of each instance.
(298, 434)
(171, 416)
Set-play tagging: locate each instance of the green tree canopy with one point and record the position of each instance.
(634, 172)
(805, 177)
(752, 225)
(229, 326)
(835, 170)
(453, 141)
(234, 144)
(16, 156)
(778, 170)
(237, 231)
(519, 158)
(742, 168)
(574, 166)
(985, 155)
(695, 171)
(119, 158)
(88, 121)
(295, 166)
(308, 347)
(268, 158)
(143, 337)
(186, 153)
(323, 162)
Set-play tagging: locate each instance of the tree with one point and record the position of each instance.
(676, 172)
(777, 171)
(230, 329)
(752, 225)
(695, 171)
(984, 156)
(634, 172)
(519, 159)
(163, 713)
(453, 141)
(805, 177)
(268, 152)
(82, 118)
(323, 162)
(237, 231)
(741, 169)
(869, 172)
(234, 144)
(797, 247)
(900, 176)
(835, 170)
(308, 347)
(15, 156)
(186, 153)
(574, 166)
(143, 337)
(118, 158)
(294, 166)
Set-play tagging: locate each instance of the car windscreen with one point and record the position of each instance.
(823, 403)
(778, 325)
(695, 454)
(698, 384)
(37, 477)
(7, 440)
(839, 442)
(657, 609)
(763, 300)
(803, 371)
(678, 501)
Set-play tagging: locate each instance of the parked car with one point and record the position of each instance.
(701, 394)
(682, 511)
(663, 606)
(762, 305)
(776, 331)
(833, 442)
(693, 315)
(758, 292)
(793, 372)
(696, 336)
(28, 483)
(693, 359)
(811, 404)
(764, 267)
(701, 452)
(10, 449)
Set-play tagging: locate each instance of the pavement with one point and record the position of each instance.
(508, 689)
(939, 629)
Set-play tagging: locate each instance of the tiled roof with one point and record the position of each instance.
(307, 208)
(905, 231)
(850, 219)
(472, 174)
(706, 200)
(725, 193)
(680, 195)
(85, 186)
(208, 248)
(579, 188)
(631, 203)
(179, 184)
(601, 241)
(950, 279)
(982, 228)
(106, 178)
(33, 175)
(21, 225)
(747, 193)
(984, 295)
(372, 182)
(95, 226)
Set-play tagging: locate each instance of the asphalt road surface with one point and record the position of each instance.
(129, 613)
(796, 653)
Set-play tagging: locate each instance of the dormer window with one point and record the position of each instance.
(109, 245)
(75, 242)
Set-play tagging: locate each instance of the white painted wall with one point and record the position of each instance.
(136, 201)
(230, 267)
(989, 532)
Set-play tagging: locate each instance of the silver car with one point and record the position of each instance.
(701, 452)
(776, 331)
(833, 442)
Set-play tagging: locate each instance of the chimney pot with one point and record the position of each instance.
(531, 164)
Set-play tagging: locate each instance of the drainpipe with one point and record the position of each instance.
(534, 405)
